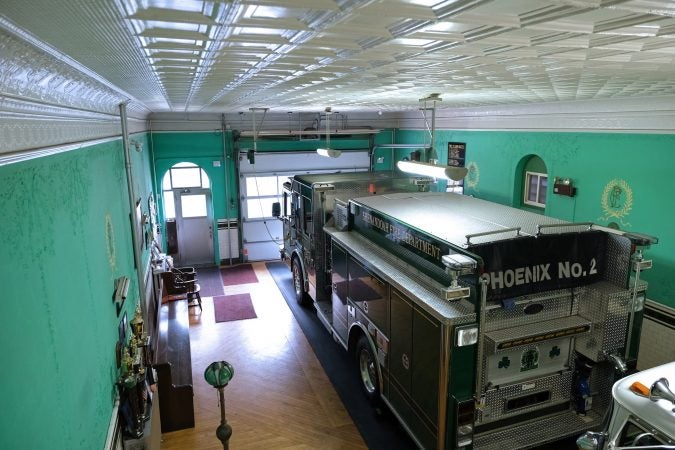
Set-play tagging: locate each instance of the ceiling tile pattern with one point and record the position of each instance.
(295, 55)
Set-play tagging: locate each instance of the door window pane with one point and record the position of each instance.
(532, 189)
(166, 181)
(186, 177)
(193, 205)
(169, 207)
(543, 182)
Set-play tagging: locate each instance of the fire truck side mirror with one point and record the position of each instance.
(276, 209)
(591, 440)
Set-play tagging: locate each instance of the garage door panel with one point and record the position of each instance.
(257, 231)
(303, 162)
(261, 184)
(261, 251)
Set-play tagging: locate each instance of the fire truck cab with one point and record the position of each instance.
(643, 413)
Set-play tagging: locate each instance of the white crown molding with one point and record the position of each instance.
(47, 99)
(34, 70)
(27, 126)
(635, 115)
(45, 149)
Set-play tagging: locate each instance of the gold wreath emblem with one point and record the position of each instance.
(473, 175)
(623, 187)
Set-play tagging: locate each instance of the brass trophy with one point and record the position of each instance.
(142, 339)
(141, 342)
(133, 388)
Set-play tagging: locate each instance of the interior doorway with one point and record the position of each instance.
(188, 211)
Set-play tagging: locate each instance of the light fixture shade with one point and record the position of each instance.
(329, 152)
(432, 170)
(219, 373)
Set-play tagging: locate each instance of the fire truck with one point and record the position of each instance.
(479, 325)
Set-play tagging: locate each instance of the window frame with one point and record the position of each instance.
(526, 190)
(168, 191)
(624, 438)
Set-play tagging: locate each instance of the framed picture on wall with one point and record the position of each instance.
(456, 158)
(456, 153)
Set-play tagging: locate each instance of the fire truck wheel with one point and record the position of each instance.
(298, 283)
(367, 369)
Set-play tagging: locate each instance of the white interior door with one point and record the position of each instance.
(194, 226)
(260, 185)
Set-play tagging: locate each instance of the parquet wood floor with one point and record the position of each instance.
(279, 398)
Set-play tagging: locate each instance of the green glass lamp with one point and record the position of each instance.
(218, 374)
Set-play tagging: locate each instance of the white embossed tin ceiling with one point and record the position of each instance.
(226, 56)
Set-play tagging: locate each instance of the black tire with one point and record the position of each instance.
(366, 366)
(298, 283)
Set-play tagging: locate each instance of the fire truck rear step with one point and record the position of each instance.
(529, 434)
(537, 332)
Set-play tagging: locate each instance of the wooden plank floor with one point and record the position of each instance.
(279, 398)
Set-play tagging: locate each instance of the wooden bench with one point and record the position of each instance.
(174, 367)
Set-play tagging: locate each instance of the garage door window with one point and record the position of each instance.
(262, 192)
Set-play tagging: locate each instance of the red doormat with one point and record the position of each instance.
(233, 307)
(241, 274)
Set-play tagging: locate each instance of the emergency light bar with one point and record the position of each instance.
(456, 265)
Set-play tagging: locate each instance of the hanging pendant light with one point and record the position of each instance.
(328, 152)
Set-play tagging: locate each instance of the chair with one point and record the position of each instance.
(183, 281)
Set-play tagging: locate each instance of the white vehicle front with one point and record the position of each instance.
(643, 415)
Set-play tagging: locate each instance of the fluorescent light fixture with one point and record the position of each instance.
(329, 152)
(432, 170)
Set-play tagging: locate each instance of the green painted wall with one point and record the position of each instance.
(643, 161)
(58, 265)
(202, 149)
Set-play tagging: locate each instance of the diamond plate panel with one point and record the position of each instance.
(341, 215)
(533, 434)
(559, 385)
(607, 307)
(618, 258)
(556, 304)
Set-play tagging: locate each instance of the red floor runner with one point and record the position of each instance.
(233, 307)
(241, 274)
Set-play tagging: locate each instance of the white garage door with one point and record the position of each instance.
(260, 185)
